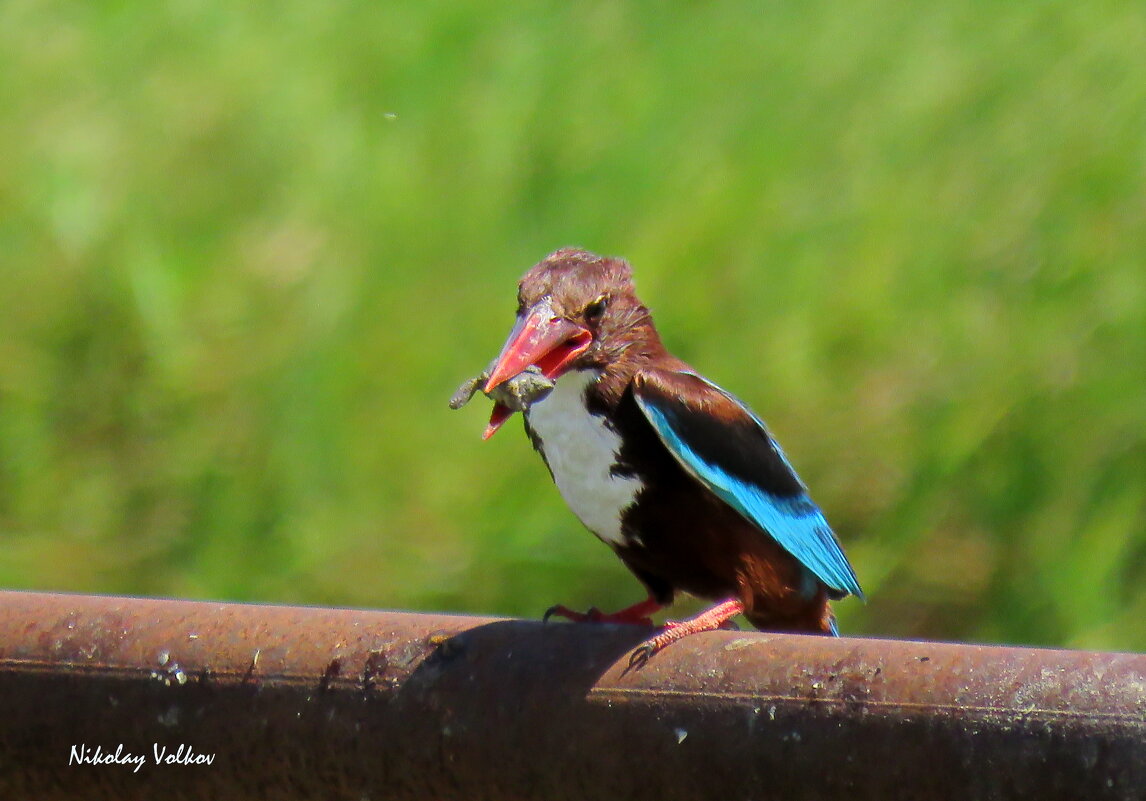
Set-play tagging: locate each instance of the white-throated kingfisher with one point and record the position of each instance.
(675, 474)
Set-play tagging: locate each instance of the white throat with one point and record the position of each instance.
(581, 450)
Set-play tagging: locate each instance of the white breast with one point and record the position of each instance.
(581, 451)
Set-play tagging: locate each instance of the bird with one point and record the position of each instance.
(675, 474)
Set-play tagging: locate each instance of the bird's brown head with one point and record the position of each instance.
(575, 310)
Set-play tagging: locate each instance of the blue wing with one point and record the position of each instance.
(726, 447)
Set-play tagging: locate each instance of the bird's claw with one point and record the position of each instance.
(641, 656)
(594, 614)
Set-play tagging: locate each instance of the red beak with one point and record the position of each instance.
(540, 338)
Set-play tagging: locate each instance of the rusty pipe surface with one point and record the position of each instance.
(125, 698)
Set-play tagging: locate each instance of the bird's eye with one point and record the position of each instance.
(597, 308)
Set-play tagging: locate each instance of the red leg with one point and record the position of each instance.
(708, 620)
(638, 614)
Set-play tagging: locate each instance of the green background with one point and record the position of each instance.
(246, 255)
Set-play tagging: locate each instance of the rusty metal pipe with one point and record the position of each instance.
(300, 703)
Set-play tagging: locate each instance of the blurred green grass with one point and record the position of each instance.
(246, 254)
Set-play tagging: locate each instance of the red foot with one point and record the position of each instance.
(637, 614)
(717, 617)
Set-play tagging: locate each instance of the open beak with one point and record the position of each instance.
(539, 338)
